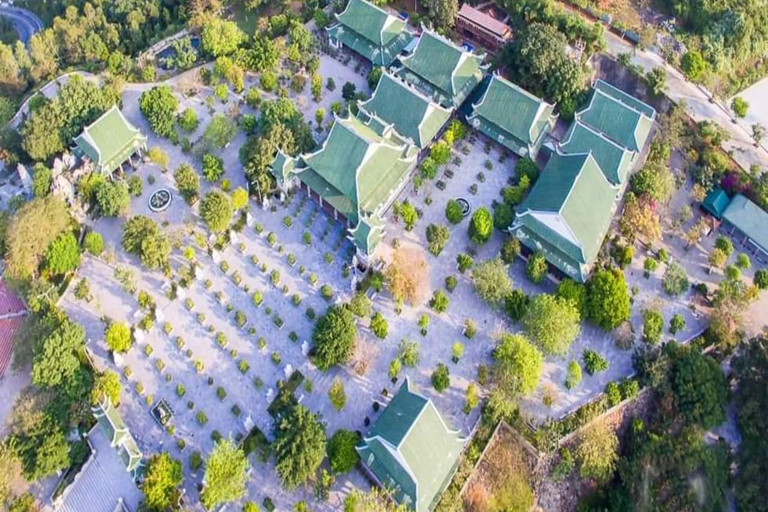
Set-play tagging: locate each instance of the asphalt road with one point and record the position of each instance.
(25, 22)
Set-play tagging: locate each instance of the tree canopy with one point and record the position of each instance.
(341, 451)
(492, 282)
(59, 357)
(334, 337)
(216, 210)
(161, 482)
(299, 446)
(552, 323)
(159, 107)
(31, 231)
(225, 474)
(63, 254)
(608, 298)
(699, 386)
(142, 236)
(517, 366)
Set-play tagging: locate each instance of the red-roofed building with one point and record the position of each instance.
(483, 28)
(12, 311)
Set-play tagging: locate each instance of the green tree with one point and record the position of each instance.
(761, 278)
(441, 378)
(31, 231)
(58, 357)
(113, 198)
(341, 451)
(63, 254)
(481, 226)
(118, 337)
(597, 452)
(573, 375)
(443, 13)
(739, 106)
(699, 386)
(239, 198)
(379, 325)
(337, 395)
(299, 446)
(373, 76)
(334, 337)
(219, 132)
(161, 482)
(226, 473)
(409, 214)
(360, 305)
(106, 384)
(159, 107)
(453, 211)
(517, 366)
(536, 267)
(220, 37)
(437, 237)
(373, 501)
(693, 65)
(608, 299)
(541, 65)
(569, 289)
(653, 326)
(552, 323)
(675, 280)
(216, 210)
(213, 167)
(492, 282)
(41, 180)
(142, 236)
(656, 79)
(188, 120)
(187, 182)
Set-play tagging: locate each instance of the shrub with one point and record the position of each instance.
(573, 375)
(243, 366)
(441, 378)
(593, 362)
(342, 455)
(180, 390)
(450, 283)
(675, 280)
(453, 211)
(439, 301)
(536, 268)
(337, 395)
(379, 325)
(653, 326)
(195, 461)
(613, 393)
(201, 418)
(481, 226)
(94, 243)
(470, 329)
(221, 393)
(437, 236)
(464, 262)
(510, 250)
(326, 292)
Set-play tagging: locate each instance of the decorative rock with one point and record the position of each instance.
(270, 394)
(305, 347)
(288, 370)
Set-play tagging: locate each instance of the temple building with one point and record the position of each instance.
(371, 32)
(411, 450)
(110, 141)
(441, 70)
(569, 210)
(355, 176)
(513, 117)
(413, 114)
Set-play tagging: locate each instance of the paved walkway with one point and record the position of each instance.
(25, 22)
(740, 144)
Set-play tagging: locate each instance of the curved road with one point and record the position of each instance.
(25, 22)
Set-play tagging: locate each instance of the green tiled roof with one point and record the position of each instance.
(748, 218)
(112, 424)
(614, 160)
(412, 114)
(716, 202)
(618, 120)
(623, 97)
(567, 212)
(282, 167)
(357, 170)
(367, 234)
(371, 32)
(512, 116)
(442, 69)
(411, 450)
(109, 140)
